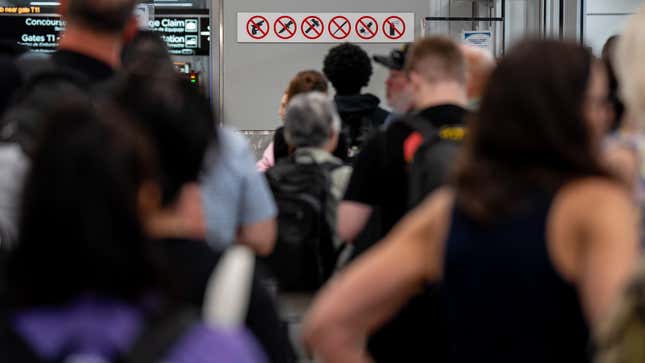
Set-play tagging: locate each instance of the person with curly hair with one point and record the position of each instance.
(349, 68)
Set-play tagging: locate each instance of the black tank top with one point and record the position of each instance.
(504, 300)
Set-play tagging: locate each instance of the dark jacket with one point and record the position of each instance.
(360, 116)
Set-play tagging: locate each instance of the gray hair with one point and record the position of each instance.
(310, 120)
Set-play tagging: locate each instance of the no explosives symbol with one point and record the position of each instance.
(257, 27)
(366, 27)
(285, 27)
(312, 27)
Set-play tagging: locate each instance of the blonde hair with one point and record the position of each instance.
(630, 58)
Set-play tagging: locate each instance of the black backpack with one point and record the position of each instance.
(434, 158)
(304, 256)
(45, 86)
(357, 127)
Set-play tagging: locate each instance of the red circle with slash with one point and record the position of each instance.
(285, 27)
(256, 22)
(366, 23)
(338, 29)
(310, 25)
(398, 32)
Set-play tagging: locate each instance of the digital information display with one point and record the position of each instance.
(184, 34)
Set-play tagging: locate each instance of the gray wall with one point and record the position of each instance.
(604, 18)
(255, 75)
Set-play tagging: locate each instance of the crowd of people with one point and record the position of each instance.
(494, 214)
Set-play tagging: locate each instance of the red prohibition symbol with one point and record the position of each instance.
(312, 27)
(366, 27)
(257, 27)
(394, 27)
(285, 27)
(339, 27)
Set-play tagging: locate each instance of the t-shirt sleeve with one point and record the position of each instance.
(364, 186)
(257, 202)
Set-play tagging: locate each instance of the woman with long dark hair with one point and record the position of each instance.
(84, 283)
(533, 240)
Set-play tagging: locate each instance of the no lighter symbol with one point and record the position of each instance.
(257, 27)
(339, 27)
(312, 27)
(394, 27)
(285, 27)
(366, 27)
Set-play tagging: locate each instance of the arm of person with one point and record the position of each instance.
(599, 218)
(267, 161)
(352, 218)
(372, 289)
(611, 252)
(259, 236)
(258, 228)
(623, 162)
(363, 190)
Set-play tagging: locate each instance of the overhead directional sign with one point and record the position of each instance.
(325, 27)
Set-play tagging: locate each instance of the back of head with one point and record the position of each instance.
(311, 119)
(146, 51)
(105, 16)
(530, 133)
(79, 229)
(630, 57)
(437, 59)
(306, 81)
(178, 120)
(348, 68)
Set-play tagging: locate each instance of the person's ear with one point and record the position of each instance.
(148, 199)
(131, 29)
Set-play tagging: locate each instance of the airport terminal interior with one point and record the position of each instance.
(292, 181)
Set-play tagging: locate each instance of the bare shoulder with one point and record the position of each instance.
(594, 195)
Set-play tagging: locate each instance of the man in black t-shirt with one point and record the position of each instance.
(436, 69)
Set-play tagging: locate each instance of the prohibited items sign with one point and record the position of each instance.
(285, 27)
(394, 27)
(291, 27)
(257, 27)
(366, 27)
(340, 27)
(312, 27)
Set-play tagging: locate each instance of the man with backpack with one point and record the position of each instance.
(307, 188)
(382, 177)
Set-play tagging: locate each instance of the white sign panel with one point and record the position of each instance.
(325, 27)
(480, 39)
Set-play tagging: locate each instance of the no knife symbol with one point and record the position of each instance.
(285, 27)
